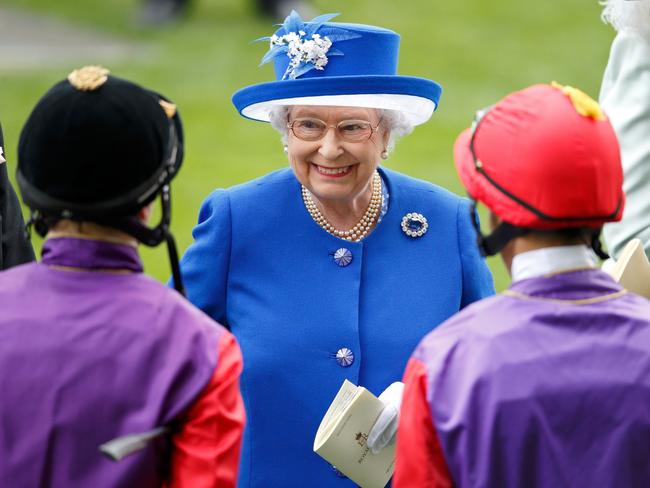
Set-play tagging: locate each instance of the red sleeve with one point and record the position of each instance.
(206, 449)
(420, 461)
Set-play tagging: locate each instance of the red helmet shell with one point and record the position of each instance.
(544, 158)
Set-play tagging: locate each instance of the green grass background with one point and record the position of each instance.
(479, 50)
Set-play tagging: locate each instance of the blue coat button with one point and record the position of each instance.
(344, 357)
(343, 257)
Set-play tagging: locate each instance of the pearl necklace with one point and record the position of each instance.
(361, 229)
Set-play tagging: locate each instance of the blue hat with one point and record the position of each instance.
(327, 63)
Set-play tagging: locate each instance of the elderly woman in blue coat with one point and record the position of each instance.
(334, 268)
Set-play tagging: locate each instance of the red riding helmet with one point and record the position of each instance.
(544, 158)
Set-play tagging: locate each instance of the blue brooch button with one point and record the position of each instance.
(344, 357)
(343, 257)
(414, 224)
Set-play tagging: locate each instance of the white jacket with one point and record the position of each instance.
(625, 97)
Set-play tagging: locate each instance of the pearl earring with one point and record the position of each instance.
(384, 154)
(286, 149)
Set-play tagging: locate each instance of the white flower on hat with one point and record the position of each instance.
(305, 48)
(2, 159)
(302, 50)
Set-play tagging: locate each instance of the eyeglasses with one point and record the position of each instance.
(308, 129)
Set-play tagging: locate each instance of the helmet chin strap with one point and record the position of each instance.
(492, 244)
(597, 246)
(173, 259)
(153, 236)
(132, 226)
(171, 243)
(495, 242)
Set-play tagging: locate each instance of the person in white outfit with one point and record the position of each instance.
(625, 97)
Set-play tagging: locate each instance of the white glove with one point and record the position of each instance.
(383, 432)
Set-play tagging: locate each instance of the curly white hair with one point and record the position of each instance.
(628, 15)
(394, 121)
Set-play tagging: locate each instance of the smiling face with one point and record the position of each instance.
(334, 170)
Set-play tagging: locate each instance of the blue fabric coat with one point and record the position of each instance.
(262, 266)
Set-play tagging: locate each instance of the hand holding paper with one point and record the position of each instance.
(342, 437)
(384, 430)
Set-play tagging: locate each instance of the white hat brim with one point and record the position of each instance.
(417, 110)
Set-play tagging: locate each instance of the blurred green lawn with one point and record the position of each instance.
(479, 50)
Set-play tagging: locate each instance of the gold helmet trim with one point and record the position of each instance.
(169, 108)
(88, 78)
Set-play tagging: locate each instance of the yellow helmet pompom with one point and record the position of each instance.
(583, 103)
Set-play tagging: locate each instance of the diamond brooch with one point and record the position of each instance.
(414, 224)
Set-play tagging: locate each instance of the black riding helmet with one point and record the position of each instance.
(99, 148)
